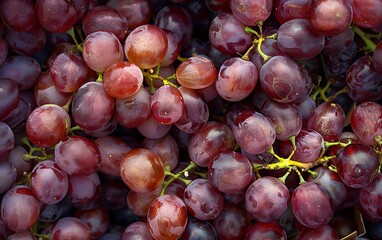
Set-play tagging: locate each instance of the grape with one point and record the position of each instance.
(338, 43)
(19, 208)
(167, 105)
(91, 99)
(265, 230)
(27, 43)
(312, 205)
(47, 125)
(8, 175)
(309, 146)
(139, 203)
(137, 230)
(330, 17)
(46, 93)
(363, 81)
(324, 232)
(153, 129)
(122, 79)
(77, 155)
(134, 110)
(196, 113)
(137, 13)
(18, 15)
(112, 150)
(283, 80)
(48, 182)
(7, 141)
(97, 220)
(167, 217)
(68, 72)
(251, 12)
(237, 79)
(52, 212)
(332, 182)
(142, 170)
(366, 14)
(227, 34)
(9, 96)
(17, 160)
(267, 199)
(285, 10)
(328, 119)
(84, 190)
(230, 172)
(101, 50)
(203, 201)
(173, 49)
(297, 39)
(177, 20)
(105, 18)
(253, 132)
(198, 229)
(365, 122)
(357, 165)
(114, 193)
(286, 119)
(196, 72)
(26, 235)
(232, 223)
(57, 15)
(212, 139)
(23, 70)
(146, 46)
(70, 228)
(166, 148)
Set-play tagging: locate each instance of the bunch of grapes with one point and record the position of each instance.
(190, 119)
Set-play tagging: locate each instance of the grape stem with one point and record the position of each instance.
(369, 44)
(99, 78)
(178, 175)
(75, 128)
(257, 41)
(73, 35)
(284, 177)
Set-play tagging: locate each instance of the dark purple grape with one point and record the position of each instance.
(285, 10)
(177, 20)
(230, 172)
(23, 70)
(57, 15)
(209, 141)
(97, 220)
(265, 230)
(366, 14)
(312, 205)
(366, 122)
(7, 141)
(232, 223)
(84, 191)
(267, 199)
(137, 230)
(27, 43)
(338, 43)
(9, 97)
(91, 99)
(357, 165)
(227, 34)
(77, 155)
(324, 232)
(283, 80)
(330, 17)
(364, 83)
(203, 201)
(251, 12)
(198, 229)
(8, 176)
(377, 59)
(253, 132)
(297, 39)
(153, 129)
(18, 15)
(105, 18)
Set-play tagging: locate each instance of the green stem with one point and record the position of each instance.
(75, 128)
(99, 78)
(301, 178)
(73, 35)
(283, 178)
(184, 172)
(370, 44)
(313, 173)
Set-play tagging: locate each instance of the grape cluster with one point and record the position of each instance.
(190, 119)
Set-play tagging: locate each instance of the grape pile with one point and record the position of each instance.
(190, 119)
